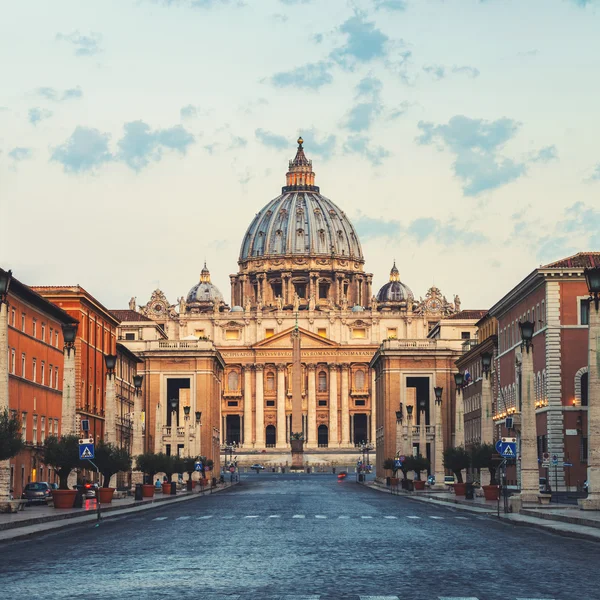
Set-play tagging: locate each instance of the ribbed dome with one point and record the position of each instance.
(394, 290)
(301, 221)
(204, 291)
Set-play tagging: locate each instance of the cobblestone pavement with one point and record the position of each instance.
(301, 537)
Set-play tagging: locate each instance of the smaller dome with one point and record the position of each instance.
(357, 308)
(237, 309)
(394, 291)
(204, 292)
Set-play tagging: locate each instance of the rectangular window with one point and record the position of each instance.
(13, 360)
(392, 333)
(583, 449)
(269, 333)
(465, 335)
(130, 336)
(43, 430)
(24, 426)
(12, 317)
(43, 332)
(270, 402)
(23, 374)
(322, 332)
(34, 439)
(50, 376)
(232, 403)
(199, 333)
(34, 327)
(584, 312)
(232, 334)
(55, 378)
(55, 426)
(359, 403)
(323, 291)
(56, 338)
(23, 322)
(50, 336)
(359, 333)
(43, 373)
(322, 402)
(34, 373)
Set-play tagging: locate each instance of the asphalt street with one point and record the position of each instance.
(301, 537)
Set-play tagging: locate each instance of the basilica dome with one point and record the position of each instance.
(394, 291)
(204, 293)
(301, 221)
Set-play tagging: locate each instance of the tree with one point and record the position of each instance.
(389, 464)
(189, 465)
(11, 440)
(419, 463)
(148, 463)
(62, 454)
(457, 459)
(110, 460)
(482, 457)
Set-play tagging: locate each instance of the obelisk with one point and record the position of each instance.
(297, 437)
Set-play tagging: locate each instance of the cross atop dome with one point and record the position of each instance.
(394, 273)
(300, 176)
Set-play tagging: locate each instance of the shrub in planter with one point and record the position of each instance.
(62, 454)
(147, 463)
(110, 460)
(189, 466)
(11, 439)
(482, 457)
(418, 464)
(457, 460)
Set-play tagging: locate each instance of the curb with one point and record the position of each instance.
(581, 521)
(31, 527)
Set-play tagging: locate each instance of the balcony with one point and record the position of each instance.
(468, 345)
(177, 433)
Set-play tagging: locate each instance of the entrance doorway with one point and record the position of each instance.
(422, 386)
(323, 436)
(361, 433)
(233, 429)
(270, 436)
(174, 384)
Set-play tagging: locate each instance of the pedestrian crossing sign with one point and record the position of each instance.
(86, 451)
(509, 450)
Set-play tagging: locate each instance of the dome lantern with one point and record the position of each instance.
(300, 176)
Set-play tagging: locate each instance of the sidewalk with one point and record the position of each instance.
(565, 519)
(40, 519)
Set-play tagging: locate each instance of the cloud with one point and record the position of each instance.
(545, 154)
(188, 112)
(476, 145)
(362, 114)
(237, 142)
(85, 45)
(436, 71)
(390, 4)
(360, 144)
(291, 2)
(422, 229)
(84, 151)
(272, 140)
(280, 17)
(364, 42)
(595, 176)
(141, 144)
(311, 76)
(466, 70)
(401, 109)
(532, 52)
(19, 153)
(54, 95)
(35, 115)
(440, 71)
(582, 3)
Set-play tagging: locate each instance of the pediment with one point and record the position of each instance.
(284, 340)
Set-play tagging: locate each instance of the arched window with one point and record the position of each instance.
(359, 380)
(270, 381)
(233, 381)
(322, 381)
(270, 436)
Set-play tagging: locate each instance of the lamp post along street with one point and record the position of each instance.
(409, 441)
(459, 426)
(439, 473)
(68, 413)
(487, 424)
(399, 431)
(110, 403)
(137, 443)
(422, 430)
(5, 278)
(592, 502)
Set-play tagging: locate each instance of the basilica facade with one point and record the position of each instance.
(300, 263)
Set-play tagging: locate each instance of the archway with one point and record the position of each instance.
(270, 436)
(323, 436)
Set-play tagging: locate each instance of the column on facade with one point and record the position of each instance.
(259, 432)
(333, 406)
(373, 433)
(369, 292)
(232, 282)
(312, 406)
(530, 473)
(5, 464)
(247, 441)
(137, 436)
(422, 434)
(438, 460)
(487, 423)
(345, 405)
(281, 424)
(158, 431)
(110, 410)
(592, 502)
(459, 426)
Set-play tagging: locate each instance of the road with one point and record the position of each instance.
(301, 537)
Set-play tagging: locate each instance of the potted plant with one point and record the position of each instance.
(207, 465)
(189, 466)
(457, 459)
(110, 460)
(62, 454)
(147, 463)
(389, 464)
(419, 463)
(482, 456)
(166, 465)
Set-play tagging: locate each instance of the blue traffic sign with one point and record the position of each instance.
(499, 446)
(509, 450)
(86, 451)
(398, 464)
(198, 466)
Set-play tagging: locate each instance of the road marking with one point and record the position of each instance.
(465, 518)
(299, 517)
(251, 517)
(206, 517)
(457, 598)
(227, 517)
(343, 517)
(435, 517)
(535, 599)
(366, 517)
(274, 516)
(182, 518)
(320, 517)
(412, 517)
(378, 597)
(160, 518)
(390, 517)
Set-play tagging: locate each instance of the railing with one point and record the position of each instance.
(429, 429)
(410, 344)
(178, 345)
(177, 431)
(467, 345)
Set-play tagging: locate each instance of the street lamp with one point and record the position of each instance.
(198, 417)
(399, 415)
(5, 279)
(526, 328)
(438, 394)
(137, 383)
(409, 411)
(459, 379)
(592, 278)
(110, 360)
(486, 363)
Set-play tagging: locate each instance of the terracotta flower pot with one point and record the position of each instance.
(166, 488)
(418, 484)
(394, 481)
(193, 484)
(460, 489)
(64, 498)
(491, 492)
(105, 495)
(148, 491)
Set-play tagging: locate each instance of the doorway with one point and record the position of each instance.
(233, 429)
(422, 386)
(361, 433)
(172, 405)
(270, 436)
(323, 436)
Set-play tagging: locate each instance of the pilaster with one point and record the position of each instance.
(281, 425)
(333, 406)
(259, 432)
(345, 405)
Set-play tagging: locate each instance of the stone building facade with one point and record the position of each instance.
(300, 262)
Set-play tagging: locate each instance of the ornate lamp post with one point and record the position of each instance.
(592, 502)
(5, 279)
(487, 423)
(399, 432)
(110, 408)
(459, 426)
(422, 429)
(439, 473)
(409, 412)
(137, 443)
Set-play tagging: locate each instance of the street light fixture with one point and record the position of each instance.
(592, 278)
(186, 412)
(459, 379)
(438, 394)
(399, 414)
(198, 416)
(409, 411)
(5, 279)
(110, 360)
(137, 382)
(486, 362)
(526, 328)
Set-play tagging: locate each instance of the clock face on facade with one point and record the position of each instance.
(434, 305)
(158, 308)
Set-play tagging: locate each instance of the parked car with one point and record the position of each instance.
(88, 489)
(257, 467)
(37, 492)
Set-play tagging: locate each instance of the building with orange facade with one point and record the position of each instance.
(35, 377)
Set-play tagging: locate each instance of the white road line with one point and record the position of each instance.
(299, 517)
(465, 518)
(320, 517)
(412, 517)
(251, 517)
(343, 517)
(366, 517)
(390, 517)
(274, 516)
(227, 517)
(206, 517)
(160, 518)
(457, 598)
(535, 599)
(435, 517)
(182, 518)
(378, 597)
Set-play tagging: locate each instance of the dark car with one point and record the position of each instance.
(257, 467)
(36, 493)
(88, 489)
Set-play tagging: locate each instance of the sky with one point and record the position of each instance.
(139, 138)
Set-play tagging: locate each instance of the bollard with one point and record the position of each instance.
(138, 492)
(173, 488)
